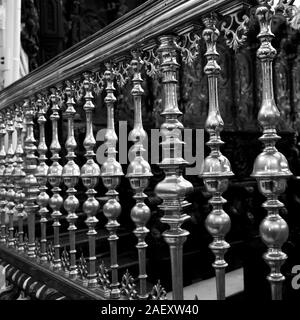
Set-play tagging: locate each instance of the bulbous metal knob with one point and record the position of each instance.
(216, 166)
(218, 223)
(55, 174)
(56, 202)
(274, 231)
(41, 174)
(71, 174)
(43, 199)
(140, 214)
(271, 164)
(171, 188)
(71, 204)
(112, 209)
(91, 206)
(90, 173)
(139, 167)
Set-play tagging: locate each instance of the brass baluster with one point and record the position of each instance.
(30, 182)
(271, 168)
(42, 176)
(19, 176)
(216, 168)
(138, 173)
(8, 173)
(2, 179)
(90, 173)
(111, 173)
(174, 187)
(55, 177)
(71, 174)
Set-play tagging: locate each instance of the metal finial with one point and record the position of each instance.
(271, 168)
(111, 173)
(173, 188)
(8, 174)
(71, 174)
(216, 169)
(42, 176)
(139, 173)
(90, 173)
(2, 178)
(55, 177)
(19, 176)
(30, 182)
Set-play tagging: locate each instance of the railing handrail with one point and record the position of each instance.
(142, 24)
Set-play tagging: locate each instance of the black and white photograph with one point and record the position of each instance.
(149, 156)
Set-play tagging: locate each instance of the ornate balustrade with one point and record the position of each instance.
(42, 212)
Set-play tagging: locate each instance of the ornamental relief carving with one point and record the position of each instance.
(225, 87)
(296, 89)
(245, 119)
(194, 94)
(282, 90)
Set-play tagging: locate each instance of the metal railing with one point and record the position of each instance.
(31, 186)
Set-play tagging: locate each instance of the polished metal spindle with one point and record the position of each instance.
(90, 173)
(71, 174)
(271, 168)
(2, 178)
(139, 173)
(216, 168)
(30, 182)
(42, 176)
(111, 173)
(173, 188)
(19, 176)
(8, 173)
(55, 177)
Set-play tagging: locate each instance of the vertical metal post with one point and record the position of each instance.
(42, 177)
(19, 176)
(8, 173)
(90, 173)
(2, 179)
(30, 182)
(55, 178)
(216, 169)
(173, 188)
(111, 173)
(271, 168)
(71, 174)
(139, 173)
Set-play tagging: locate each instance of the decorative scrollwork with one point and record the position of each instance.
(65, 260)
(189, 45)
(151, 61)
(25, 242)
(82, 268)
(236, 31)
(158, 292)
(37, 248)
(78, 90)
(98, 82)
(50, 253)
(103, 276)
(16, 245)
(121, 72)
(290, 11)
(128, 286)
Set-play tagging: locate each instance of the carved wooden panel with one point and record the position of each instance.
(244, 100)
(282, 90)
(227, 109)
(194, 94)
(296, 89)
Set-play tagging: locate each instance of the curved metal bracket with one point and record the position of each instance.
(236, 30)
